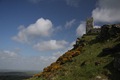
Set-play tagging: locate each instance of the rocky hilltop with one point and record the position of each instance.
(93, 57)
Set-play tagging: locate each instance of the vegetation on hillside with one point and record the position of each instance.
(96, 57)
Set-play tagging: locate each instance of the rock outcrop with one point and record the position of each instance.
(109, 31)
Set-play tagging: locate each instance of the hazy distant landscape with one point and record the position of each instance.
(59, 39)
(16, 75)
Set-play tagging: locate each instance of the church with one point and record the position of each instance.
(90, 27)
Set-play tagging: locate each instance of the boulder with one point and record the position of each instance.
(109, 31)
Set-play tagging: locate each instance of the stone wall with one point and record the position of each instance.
(89, 27)
(95, 30)
(89, 24)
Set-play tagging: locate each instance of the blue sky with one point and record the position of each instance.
(35, 33)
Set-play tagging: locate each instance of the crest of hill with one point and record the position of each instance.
(93, 57)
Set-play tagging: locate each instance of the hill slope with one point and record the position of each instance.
(94, 57)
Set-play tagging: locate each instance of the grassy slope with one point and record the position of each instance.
(83, 66)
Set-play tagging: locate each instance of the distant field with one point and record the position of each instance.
(15, 75)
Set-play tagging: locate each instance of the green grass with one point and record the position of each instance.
(89, 55)
(89, 71)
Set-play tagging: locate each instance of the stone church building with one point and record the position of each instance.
(90, 27)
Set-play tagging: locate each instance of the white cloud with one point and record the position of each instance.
(96, 26)
(58, 28)
(81, 29)
(74, 3)
(21, 36)
(50, 45)
(107, 11)
(15, 61)
(70, 23)
(58, 54)
(21, 27)
(72, 43)
(7, 54)
(41, 28)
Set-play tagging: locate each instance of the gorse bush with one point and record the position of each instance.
(90, 59)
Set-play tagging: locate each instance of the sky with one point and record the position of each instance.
(34, 33)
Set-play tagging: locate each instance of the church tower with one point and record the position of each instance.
(89, 24)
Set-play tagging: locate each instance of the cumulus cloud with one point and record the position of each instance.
(70, 23)
(13, 60)
(41, 28)
(81, 29)
(74, 3)
(50, 45)
(107, 11)
(21, 36)
(7, 54)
